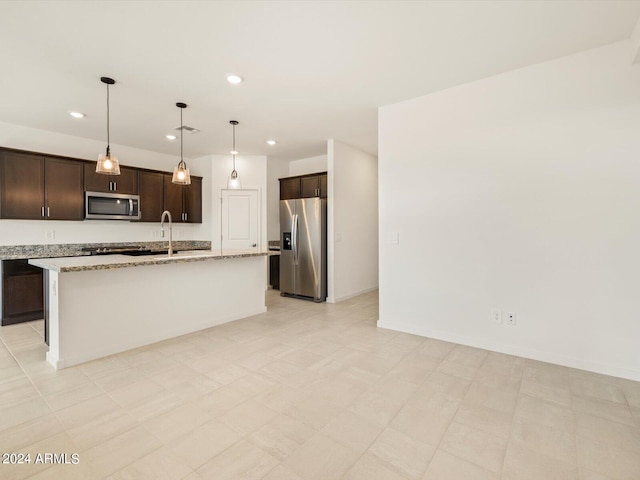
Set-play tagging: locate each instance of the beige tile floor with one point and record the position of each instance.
(313, 391)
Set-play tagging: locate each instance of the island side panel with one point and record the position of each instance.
(53, 355)
(102, 312)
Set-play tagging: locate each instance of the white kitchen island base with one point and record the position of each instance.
(98, 312)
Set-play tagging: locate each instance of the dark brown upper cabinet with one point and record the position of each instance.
(151, 189)
(184, 202)
(313, 186)
(289, 188)
(36, 187)
(21, 185)
(126, 182)
(304, 186)
(193, 201)
(64, 189)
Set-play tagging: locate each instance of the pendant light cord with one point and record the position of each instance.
(181, 132)
(108, 115)
(234, 148)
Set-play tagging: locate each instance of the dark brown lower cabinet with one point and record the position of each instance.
(274, 271)
(22, 292)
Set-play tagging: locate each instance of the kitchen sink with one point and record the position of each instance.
(141, 253)
(187, 253)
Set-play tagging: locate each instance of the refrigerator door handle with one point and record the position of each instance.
(294, 238)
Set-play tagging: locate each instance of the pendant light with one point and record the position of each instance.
(181, 172)
(234, 181)
(108, 164)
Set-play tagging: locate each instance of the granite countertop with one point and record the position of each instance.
(106, 262)
(18, 252)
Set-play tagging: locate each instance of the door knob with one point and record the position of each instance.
(254, 244)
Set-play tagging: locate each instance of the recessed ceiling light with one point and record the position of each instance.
(271, 142)
(170, 137)
(233, 152)
(234, 79)
(76, 114)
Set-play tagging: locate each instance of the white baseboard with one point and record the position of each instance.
(354, 294)
(530, 353)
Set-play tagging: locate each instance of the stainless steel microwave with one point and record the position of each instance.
(111, 206)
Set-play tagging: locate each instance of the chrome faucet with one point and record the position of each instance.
(167, 213)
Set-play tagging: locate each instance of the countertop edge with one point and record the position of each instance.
(53, 263)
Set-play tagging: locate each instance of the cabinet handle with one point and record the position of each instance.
(48, 212)
(42, 212)
(115, 186)
(186, 216)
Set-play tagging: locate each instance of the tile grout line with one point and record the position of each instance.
(513, 416)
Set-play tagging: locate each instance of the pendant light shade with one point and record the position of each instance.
(107, 163)
(234, 181)
(181, 172)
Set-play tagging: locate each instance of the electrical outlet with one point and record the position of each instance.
(510, 318)
(50, 234)
(496, 315)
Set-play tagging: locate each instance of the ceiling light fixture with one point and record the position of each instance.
(234, 181)
(107, 164)
(181, 172)
(170, 137)
(76, 114)
(271, 142)
(234, 79)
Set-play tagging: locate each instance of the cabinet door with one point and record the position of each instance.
(193, 201)
(21, 185)
(289, 188)
(150, 189)
(64, 189)
(309, 187)
(322, 185)
(22, 291)
(96, 182)
(172, 198)
(126, 182)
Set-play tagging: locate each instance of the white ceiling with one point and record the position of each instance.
(313, 70)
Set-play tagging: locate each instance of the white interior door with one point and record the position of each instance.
(240, 221)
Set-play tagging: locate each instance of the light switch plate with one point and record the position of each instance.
(394, 238)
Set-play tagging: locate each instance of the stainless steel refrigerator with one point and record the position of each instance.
(303, 248)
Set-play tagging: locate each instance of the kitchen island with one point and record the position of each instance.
(101, 305)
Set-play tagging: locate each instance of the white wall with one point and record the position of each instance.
(352, 222)
(276, 169)
(252, 172)
(519, 191)
(308, 165)
(28, 232)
